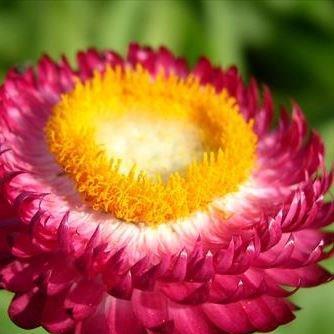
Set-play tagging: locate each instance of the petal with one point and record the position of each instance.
(121, 318)
(82, 299)
(191, 320)
(25, 309)
(150, 308)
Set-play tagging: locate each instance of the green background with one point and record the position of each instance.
(286, 44)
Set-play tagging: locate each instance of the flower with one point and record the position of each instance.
(141, 196)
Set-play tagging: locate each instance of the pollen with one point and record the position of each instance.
(150, 149)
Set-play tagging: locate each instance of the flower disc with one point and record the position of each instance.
(150, 149)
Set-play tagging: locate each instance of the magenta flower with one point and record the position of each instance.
(139, 196)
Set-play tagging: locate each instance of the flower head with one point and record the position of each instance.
(141, 196)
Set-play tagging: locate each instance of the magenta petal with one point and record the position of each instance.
(93, 324)
(117, 277)
(187, 292)
(23, 246)
(281, 309)
(26, 309)
(121, 318)
(6, 211)
(150, 308)
(267, 313)
(120, 285)
(60, 278)
(230, 318)
(54, 317)
(82, 299)
(191, 320)
(262, 314)
(21, 277)
(178, 267)
(307, 276)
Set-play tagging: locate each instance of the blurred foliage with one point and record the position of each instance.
(288, 44)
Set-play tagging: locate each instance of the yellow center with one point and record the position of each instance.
(150, 150)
